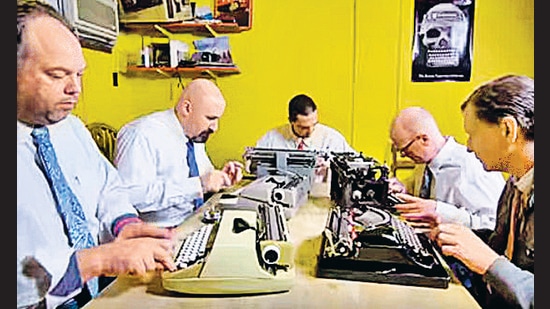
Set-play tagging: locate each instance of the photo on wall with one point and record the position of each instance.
(443, 36)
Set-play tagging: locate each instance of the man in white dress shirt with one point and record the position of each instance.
(461, 190)
(53, 270)
(151, 156)
(303, 131)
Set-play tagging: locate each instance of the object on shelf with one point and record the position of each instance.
(202, 70)
(213, 50)
(151, 11)
(234, 11)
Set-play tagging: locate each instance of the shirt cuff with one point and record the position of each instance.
(122, 221)
(452, 214)
(70, 281)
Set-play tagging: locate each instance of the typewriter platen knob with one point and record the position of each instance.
(271, 254)
(356, 195)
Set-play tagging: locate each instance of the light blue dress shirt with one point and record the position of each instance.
(40, 230)
(151, 157)
(465, 192)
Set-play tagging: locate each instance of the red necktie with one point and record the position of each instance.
(301, 145)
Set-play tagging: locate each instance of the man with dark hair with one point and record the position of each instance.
(74, 220)
(304, 130)
(499, 118)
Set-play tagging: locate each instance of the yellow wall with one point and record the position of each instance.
(353, 57)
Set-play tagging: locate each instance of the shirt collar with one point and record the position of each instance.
(527, 182)
(291, 136)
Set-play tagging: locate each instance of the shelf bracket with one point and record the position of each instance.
(211, 30)
(210, 73)
(163, 31)
(161, 72)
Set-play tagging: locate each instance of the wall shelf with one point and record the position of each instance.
(212, 71)
(151, 29)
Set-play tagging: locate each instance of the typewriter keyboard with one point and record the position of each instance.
(415, 249)
(193, 247)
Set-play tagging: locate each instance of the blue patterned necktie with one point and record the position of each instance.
(67, 204)
(193, 169)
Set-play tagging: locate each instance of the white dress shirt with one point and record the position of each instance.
(465, 192)
(323, 138)
(151, 157)
(40, 229)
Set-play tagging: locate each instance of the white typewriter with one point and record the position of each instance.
(283, 177)
(247, 251)
(289, 191)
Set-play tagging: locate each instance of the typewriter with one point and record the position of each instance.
(357, 178)
(289, 191)
(273, 161)
(364, 241)
(283, 177)
(371, 244)
(244, 252)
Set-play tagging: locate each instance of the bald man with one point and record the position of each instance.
(153, 156)
(460, 191)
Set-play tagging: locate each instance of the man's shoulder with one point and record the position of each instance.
(328, 131)
(146, 123)
(279, 130)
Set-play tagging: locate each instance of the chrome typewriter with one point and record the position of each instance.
(273, 161)
(243, 252)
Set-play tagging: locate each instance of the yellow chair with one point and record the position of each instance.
(105, 137)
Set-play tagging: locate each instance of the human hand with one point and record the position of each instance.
(135, 256)
(214, 181)
(322, 165)
(234, 170)
(460, 242)
(395, 186)
(419, 212)
(142, 229)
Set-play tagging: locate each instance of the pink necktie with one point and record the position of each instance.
(301, 145)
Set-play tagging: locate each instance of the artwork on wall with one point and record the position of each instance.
(443, 36)
(234, 11)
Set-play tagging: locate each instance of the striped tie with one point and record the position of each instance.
(193, 169)
(68, 206)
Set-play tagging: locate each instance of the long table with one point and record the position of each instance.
(305, 229)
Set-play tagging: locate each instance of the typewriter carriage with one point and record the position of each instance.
(358, 180)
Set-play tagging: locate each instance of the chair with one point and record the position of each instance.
(105, 137)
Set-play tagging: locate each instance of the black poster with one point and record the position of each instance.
(442, 45)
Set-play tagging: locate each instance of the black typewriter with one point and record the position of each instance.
(358, 179)
(364, 241)
(371, 244)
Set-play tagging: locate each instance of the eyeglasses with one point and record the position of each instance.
(405, 148)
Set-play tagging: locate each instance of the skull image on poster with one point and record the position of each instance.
(442, 43)
(444, 32)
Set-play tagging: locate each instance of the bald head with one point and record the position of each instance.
(50, 65)
(416, 123)
(199, 108)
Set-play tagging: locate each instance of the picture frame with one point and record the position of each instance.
(234, 11)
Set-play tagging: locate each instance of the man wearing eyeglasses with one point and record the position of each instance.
(447, 179)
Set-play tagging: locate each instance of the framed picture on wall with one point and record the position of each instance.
(443, 37)
(234, 11)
